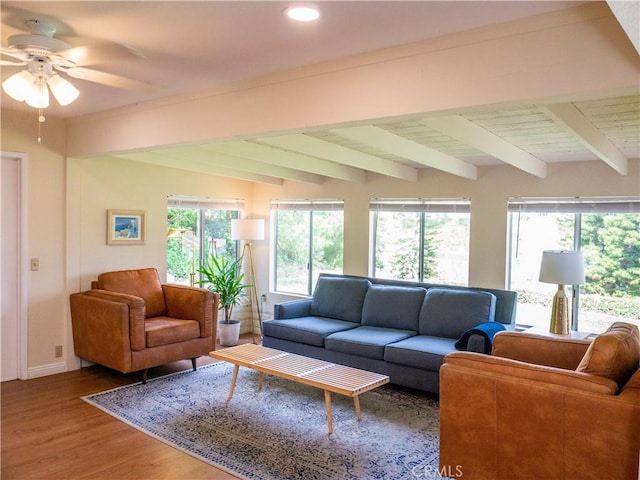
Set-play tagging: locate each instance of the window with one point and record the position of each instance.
(421, 240)
(197, 228)
(309, 240)
(608, 233)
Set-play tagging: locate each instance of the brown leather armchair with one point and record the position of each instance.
(129, 321)
(542, 407)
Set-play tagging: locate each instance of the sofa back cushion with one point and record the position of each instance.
(614, 354)
(448, 312)
(392, 307)
(143, 283)
(339, 297)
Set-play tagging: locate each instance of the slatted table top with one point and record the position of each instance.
(339, 379)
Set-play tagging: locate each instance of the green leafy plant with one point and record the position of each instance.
(223, 276)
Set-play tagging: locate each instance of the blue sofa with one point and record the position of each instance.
(400, 329)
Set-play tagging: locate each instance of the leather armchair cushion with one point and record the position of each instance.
(143, 283)
(614, 354)
(392, 307)
(449, 313)
(164, 330)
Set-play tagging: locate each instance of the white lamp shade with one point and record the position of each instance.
(562, 267)
(19, 85)
(247, 229)
(63, 90)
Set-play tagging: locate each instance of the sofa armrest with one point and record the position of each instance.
(136, 313)
(191, 303)
(292, 309)
(526, 347)
(531, 372)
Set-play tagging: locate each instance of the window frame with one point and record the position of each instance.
(424, 206)
(309, 206)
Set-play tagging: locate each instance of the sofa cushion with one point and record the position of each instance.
(420, 351)
(307, 330)
(339, 297)
(614, 354)
(447, 312)
(392, 307)
(143, 283)
(365, 341)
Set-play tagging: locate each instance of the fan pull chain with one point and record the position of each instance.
(41, 120)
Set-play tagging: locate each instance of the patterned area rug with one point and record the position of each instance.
(280, 432)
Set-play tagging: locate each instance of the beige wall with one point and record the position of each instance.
(45, 230)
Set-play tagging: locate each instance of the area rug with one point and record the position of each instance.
(280, 432)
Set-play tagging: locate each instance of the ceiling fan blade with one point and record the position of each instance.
(7, 63)
(98, 54)
(20, 55)
(110, 79)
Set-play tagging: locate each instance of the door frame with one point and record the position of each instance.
(21, 274)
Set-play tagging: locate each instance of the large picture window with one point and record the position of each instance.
(198, 227)
(607, 230)
(421, 240)
(309, 240)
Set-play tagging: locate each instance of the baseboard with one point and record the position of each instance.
(44, 370)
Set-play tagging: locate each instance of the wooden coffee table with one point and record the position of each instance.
(330, 377)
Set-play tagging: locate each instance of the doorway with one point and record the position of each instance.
(12, 279)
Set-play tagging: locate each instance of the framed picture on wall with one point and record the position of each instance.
(125, 227)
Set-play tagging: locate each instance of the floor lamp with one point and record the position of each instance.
(562, 268)
(249, 229)
(180, 232)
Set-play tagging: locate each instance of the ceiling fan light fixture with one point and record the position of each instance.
(19, 85)
(62, 89)
(38, 96)
(302, 13)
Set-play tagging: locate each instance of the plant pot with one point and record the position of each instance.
(229, 333)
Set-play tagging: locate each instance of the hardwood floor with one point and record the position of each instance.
(49, 432)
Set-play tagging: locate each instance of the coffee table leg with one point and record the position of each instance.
(327, 402)
(233, 380)
(356, 403)
(260, 379)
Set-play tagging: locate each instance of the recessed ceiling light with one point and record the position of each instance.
(302, 14)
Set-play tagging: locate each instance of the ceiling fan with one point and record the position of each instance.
(45, 56)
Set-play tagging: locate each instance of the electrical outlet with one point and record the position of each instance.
(35, 264)
(263, 297)
(58, 351)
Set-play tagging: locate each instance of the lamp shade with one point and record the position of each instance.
(63, 90)
(562, 267)
(247, 229)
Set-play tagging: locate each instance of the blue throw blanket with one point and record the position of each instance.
(487, 330)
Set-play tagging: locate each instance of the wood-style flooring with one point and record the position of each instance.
(48, 432)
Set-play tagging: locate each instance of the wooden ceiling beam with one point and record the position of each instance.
(408, 149)
(571, 119)
(458, 127)
(346, 156)
(291, 160)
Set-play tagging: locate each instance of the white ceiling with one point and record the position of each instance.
(189, 46)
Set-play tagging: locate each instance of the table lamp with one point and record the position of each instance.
(562, 268)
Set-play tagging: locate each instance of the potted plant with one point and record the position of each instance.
(223, 276)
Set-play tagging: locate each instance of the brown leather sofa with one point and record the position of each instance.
(542, 408)
(129, 321)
